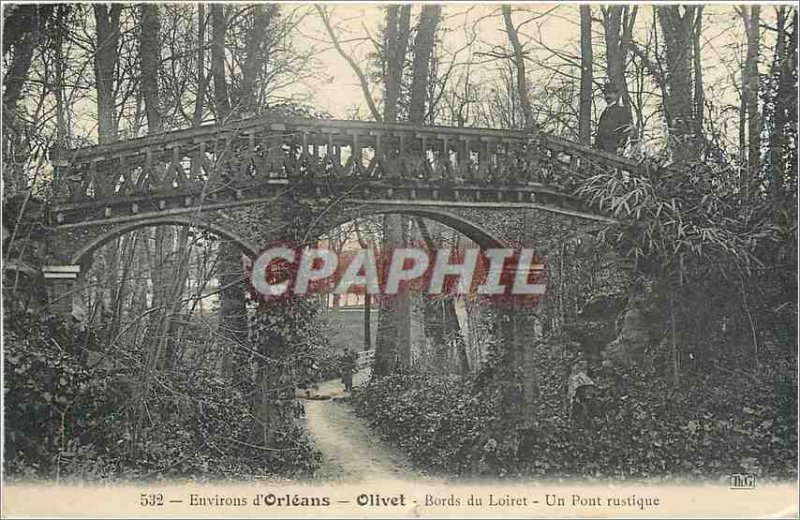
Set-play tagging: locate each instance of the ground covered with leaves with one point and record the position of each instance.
(639, 426)
(69, 414)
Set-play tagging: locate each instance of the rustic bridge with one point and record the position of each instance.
(265, 178)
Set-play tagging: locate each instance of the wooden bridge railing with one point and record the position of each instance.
(189, 161)
(365, 358)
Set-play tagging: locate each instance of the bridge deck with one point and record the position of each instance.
(249, 159)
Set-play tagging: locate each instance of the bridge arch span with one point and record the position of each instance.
(475, 232)
(81, 256)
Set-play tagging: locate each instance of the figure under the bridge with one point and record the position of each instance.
(613, 129)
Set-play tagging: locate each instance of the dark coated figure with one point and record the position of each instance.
(615, 122)
(348, 368)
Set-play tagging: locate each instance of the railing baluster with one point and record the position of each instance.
(94, 185)
(443, 169)
(175, 173)
(124, 169)
(247, 161)
(375, 164)
(302, 166)
(176, 162)
(399, 163)
(425, 171)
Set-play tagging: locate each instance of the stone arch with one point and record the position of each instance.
(85, 252)
(475, 232)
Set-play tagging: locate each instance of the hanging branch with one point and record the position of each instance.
(353, 65)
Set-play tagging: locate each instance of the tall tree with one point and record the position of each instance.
(219, 24)
(166, 288)
(60, 31)
(107, 20)
(21, 33)
(150, 60)
(423, 49)
(202, 77)
(751, 16)
(393, 341)
(256, 58)
(618, 22)
(585, 99)
(21, 30)
(398, 20)
(390, 310)
(782, 100)
(678, 24)
(519, 63)
(699, 91)
(233, 308)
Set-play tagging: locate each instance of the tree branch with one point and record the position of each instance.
(353, 65)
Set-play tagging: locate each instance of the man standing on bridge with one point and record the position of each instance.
(615, 122)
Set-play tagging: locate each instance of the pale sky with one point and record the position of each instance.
(337, 91)
(469, 31)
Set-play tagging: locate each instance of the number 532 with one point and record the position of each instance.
(151, 499)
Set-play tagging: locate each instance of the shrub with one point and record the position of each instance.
(642, 426)
(69, 417)
(439, 420)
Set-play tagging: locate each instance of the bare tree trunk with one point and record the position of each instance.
(420, 101)
(699, 91)
(423, 48)
(57, 31)
(21, 34)
(218, 28)
(233, 311)
(526, 341)
(150, 52)
(519, 62)
(783, 72)
(202, 79)
(105, 62)
(25, 21)
(367, 321)
(393, 315)
(618, 24)
(392, 343)
(398, 20)
(202, 85)
(679, 32)
(585, 103)
(150, 59)
(171, 254)
(750, 91)
(178, 270)
(62, 132)
(255, 58)
(367, 300)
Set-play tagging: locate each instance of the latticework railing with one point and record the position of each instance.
(227, 156)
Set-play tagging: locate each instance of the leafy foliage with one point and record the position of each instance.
(69, 415)
(640, 425)
(437, 420)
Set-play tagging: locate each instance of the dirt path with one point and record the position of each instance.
(350, 450)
